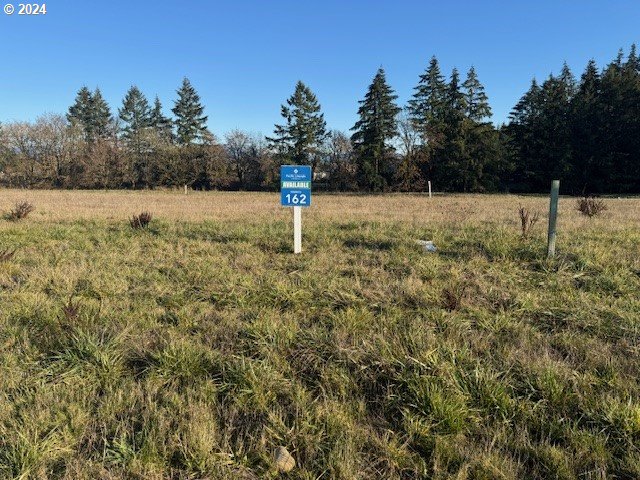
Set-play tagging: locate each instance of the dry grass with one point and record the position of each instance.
(200, 348)
(259, 207)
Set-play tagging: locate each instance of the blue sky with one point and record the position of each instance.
(244, 57)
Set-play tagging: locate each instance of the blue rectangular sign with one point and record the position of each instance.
(295, 185)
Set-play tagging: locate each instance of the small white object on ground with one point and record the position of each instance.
(427, 245)
(284, 460)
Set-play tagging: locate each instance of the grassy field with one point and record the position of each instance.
(195, 348)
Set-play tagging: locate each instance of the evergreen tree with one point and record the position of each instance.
(430, 94)
(426, 108)
(450, 162)
(541, 131)
(616, 65)
(485, 164)
(190, 121)
(373, 131)
(590, 81)
(546, 151)
(631, 119)
(455, 105)
(300, 140)
(554, 131)
(91, 113)
(101, 119)
(136, 120)
(80, 113)
(567, 82)
(633, 62)
(522, 137)
(586, 133)
(619, 112)
(476, 100)
(528, 107)
(135, 115)
(161, 125)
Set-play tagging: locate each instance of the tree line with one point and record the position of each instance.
(584, 132)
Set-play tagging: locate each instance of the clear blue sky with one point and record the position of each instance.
(244, 57)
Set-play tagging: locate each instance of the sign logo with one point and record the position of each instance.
(295, 185)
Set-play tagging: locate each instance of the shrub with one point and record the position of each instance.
(21, 210)
(140, 221)
(590, 206)
(527, 221)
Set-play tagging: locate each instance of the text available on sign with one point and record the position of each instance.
(295, 185)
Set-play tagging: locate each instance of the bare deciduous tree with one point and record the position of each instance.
(408, 175)
(342, 168)
(244, 152)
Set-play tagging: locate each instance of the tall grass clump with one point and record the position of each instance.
(140, 221)
(590, 206)
(20, 210)
(527, 221)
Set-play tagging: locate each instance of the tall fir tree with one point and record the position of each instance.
(620, 115)
(632, 64)
(455, 104)
(521, 134)
(162, 125)
(632, 120)
(616, 65)
(135, 115)
(567, 81)
(554, 130)
(373, 132)
(586, 133)
(484, 163)
(301, 138)
(476, 100)
(101, 118)
(449, 157)
(80, 113)
(426, 108)
(91, 113)
(190, 121)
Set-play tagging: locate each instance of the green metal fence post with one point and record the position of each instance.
(553, 217)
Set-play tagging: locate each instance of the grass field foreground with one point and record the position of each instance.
(196, 347)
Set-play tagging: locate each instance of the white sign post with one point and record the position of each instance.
(429, 188)
(295, 191)
(297, 229)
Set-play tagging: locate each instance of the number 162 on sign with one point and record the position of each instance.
(301, 199)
